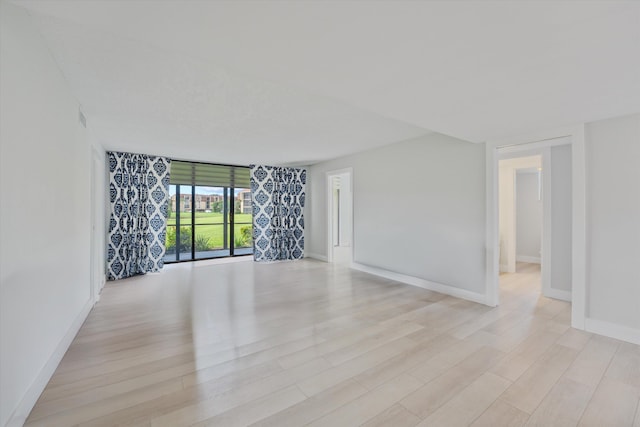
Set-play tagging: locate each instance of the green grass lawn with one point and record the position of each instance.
(209, 229)
(206, 218)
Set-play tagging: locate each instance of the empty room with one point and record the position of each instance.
(324, 213)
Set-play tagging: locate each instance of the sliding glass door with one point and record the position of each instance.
(242, 222)
(179, 224)
(207, 221)
(211, 240)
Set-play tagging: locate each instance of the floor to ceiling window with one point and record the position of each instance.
(209, 212)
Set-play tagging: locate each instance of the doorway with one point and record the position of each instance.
(522, 145)
(340, 216)
(553, 159)
(520, 211)
(553, 188)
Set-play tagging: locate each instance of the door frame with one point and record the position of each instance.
(98, 202)
(511, 247)
(524, 150)
(540, 140)
(329, 193)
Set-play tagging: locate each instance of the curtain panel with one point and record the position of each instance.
(139, 195)
(278, 222)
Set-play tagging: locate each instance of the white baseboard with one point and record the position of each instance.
(421, 283)
(557, 294)
(527, 258)
(316, 256)
(19, 416)
(613, 330)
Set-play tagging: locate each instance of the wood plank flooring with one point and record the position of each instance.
(309, 343)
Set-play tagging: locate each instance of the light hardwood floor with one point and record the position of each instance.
(308, 343)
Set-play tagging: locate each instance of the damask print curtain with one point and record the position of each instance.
(278, 220)
(139, 194)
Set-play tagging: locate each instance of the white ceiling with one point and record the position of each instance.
(299, 82)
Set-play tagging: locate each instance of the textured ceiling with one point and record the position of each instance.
(142, 98)
(299, 82)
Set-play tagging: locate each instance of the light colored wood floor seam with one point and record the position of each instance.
(309, 343)
(591, 397)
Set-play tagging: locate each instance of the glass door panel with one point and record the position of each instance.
(170, 240)
(184, 224)
(210, 223)
(242, 222)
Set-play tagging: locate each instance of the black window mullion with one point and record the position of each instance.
(178, 207)
(193, 222)
(225, 212)
(232, 220)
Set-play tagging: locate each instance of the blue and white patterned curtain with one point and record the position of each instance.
(278, 221)
(139, 194)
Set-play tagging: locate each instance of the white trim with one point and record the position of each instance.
(613, 330)
(422, 283)
(536, 141)
(515, 150)
(558, 294)
(547, 223)
(540, 138)
(492, 238)
(97, 254)
(28, 401)
(527, 258)
(316, 256)
(579, 229)
(512, 231)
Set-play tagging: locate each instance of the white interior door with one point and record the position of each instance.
(340, 217)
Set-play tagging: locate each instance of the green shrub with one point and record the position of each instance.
(202, 243)
(170, 239)
(246, 231)
(244, 238)
(239, 242)
(185, 239)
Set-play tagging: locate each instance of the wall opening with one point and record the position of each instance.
(535, 215)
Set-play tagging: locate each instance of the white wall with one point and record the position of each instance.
(561, 218)
(419, 210)
(613, 222)
(528, 217)
(45, 215)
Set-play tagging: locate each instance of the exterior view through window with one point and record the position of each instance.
(209, 212)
